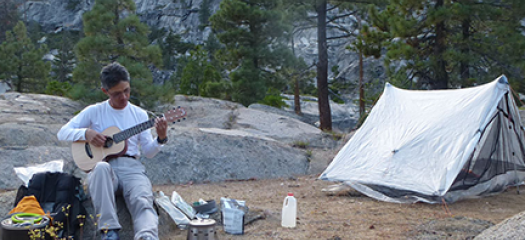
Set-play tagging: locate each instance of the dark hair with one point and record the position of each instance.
(112, 74)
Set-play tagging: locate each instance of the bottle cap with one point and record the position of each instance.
(290, 194)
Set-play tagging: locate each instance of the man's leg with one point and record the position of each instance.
(136, 188)
(103, 183)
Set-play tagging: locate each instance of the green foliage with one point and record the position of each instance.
(8, 17)
(300, 144)
(82, 93)
(72, 4)
(204, 14)
(212, 45)
(21, 61)
(247, 84)
(57, 88)
(439, 44)
(112, 37)
(63, 63)
(254, 36)
(171, 47)
(274, 101)
(201, 78)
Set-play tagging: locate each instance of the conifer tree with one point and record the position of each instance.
(204, 14)
(198, 73)
(254, 36)
(21, 61)
(8, 17)
(63, 63)
(440, 44)
(323, 22)
(114, 33)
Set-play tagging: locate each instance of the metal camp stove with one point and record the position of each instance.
(202, 229)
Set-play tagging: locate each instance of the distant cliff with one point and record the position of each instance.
(182, 17)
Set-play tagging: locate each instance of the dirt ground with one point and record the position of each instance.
(349, 215)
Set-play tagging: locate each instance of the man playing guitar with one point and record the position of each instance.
(122, 173)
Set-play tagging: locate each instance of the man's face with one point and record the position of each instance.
(118, 95)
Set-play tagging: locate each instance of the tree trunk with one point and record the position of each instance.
(361, 89)
(464, 66)
(325, 115)
(296, 96)
(441, 75)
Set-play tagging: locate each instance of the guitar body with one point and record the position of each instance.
(86, 156)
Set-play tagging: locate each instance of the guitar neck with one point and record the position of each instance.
(130, 132)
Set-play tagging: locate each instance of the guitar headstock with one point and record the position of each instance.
(175, 114)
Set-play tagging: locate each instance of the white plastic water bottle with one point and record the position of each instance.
(289, 211)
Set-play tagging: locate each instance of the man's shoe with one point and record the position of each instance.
(110, 235)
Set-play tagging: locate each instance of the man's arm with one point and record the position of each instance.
(149, 146)
(76, 128)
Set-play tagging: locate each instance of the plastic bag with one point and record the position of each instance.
(26, 173)
(182, 205)
(178, 217)
(233, 212)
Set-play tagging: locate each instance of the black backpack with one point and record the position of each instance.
(58, 193)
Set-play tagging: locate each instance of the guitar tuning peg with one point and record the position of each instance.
(178, 120)
(174, 122)
(183, 118)
(178, 106)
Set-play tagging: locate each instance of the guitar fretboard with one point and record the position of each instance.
(121, 136)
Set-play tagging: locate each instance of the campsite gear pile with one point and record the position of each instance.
(49, 199)
(184, 215)
(435, 146)
(289, 213)
(202, 229)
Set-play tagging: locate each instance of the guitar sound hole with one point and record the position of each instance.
(88, 150)
(109, 142)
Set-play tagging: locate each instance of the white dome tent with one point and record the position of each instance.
(435, 146)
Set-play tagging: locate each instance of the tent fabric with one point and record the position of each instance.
(434, 146)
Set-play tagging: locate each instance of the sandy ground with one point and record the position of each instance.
(348, 214)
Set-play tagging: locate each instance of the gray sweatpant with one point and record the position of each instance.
(127, 176)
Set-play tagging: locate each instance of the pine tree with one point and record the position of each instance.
(441, 44)
(21, 61)
(204, 14)
(253, 34)
(301, 11)
(8, 17)
(171, 47)
(63, 63)
(111, 35)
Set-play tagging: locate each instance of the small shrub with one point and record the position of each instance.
(57, 88)
(274, 101)
(300, 144)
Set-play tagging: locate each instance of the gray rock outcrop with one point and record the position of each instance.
(510, 228)
(219, 140)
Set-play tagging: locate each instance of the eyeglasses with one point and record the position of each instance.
(117, 94)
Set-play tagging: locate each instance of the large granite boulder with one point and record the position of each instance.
(510, 228)
(219, 140)
(247, 143)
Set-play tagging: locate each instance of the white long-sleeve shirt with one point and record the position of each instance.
(100, 116)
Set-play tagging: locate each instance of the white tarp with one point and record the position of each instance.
(417, 140)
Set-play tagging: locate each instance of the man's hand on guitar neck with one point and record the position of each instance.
(161, 125)
(95, 138)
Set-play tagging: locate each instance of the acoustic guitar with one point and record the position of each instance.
(87, 156)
